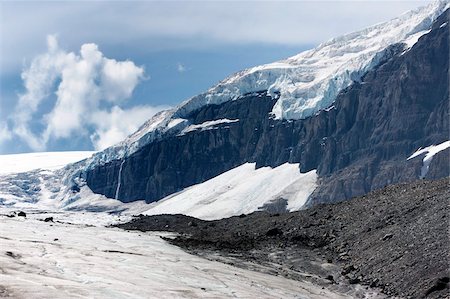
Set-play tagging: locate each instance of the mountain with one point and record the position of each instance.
(395, 104)
(355, 114)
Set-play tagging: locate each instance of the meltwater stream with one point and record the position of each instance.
(116, 196)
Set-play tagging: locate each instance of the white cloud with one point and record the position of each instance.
(156, 25)
(181, 68)
(113, 126)
(5, 133)
(88, 83)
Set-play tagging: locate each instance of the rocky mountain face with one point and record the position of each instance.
(359, 144)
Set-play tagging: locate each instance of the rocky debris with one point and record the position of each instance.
(75, 189)
(13, 255)
(395, 239)
(440, 285)
(6, 292)
(22, 214)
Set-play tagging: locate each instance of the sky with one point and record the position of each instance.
(82, 75)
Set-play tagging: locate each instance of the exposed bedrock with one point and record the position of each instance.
(359, 145)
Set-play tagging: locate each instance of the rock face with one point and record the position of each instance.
(358, 145)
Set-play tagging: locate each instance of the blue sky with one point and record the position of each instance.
(165, 51)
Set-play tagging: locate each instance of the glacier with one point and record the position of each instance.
(64, 260)
(310, 81)
(15, 163)
(429, 153)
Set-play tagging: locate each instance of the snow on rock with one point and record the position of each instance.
(175, 122)
(49, 161)
(241, 190)
(429, 152)
(58, 260)
(208, 125)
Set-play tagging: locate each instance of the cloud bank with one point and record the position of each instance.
(160, 25)
(88, 89)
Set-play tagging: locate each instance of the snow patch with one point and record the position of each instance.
(208, 125)
(412, 40)
(241, 190)
(175, 122)
(429, 152)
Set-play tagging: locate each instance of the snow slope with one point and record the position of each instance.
(429, 152)
(47, 160)
(241, 190)
(303, 84)
(59, 260)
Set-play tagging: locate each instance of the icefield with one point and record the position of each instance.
(46, 161)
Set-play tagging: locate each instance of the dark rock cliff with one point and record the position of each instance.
(359, 145)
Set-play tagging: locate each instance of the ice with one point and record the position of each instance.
(310, 81)
(429, 152)
(412, 40)
(45, 160)
(60, 260)
(241, 190)
(45, 190)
